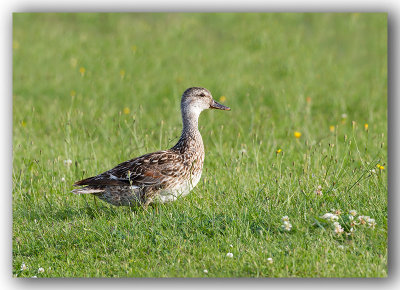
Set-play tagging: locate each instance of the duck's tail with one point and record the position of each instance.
(87, 190)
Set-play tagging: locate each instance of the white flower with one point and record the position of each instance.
(63, 179)
(40, 270)
(344, 116)
(68, 162)
(351, 217)
(34, 277)
(242, 151)
(23, 267)
(231, 245)
(285, 218)
(341, 247)
(327, 216)
(205, 271)
(318, 191)
(229, 255)
(338, 228)
(330, 216)
(270, 260)
(363, 219)
(287, 226)
(372, 223)
(353, 212)
(334, 218)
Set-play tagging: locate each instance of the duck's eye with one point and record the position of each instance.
(202, 95)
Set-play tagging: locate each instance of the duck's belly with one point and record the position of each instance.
(179, 190)
(120, 195)
(130, 195)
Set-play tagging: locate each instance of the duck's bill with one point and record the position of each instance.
(216, 105)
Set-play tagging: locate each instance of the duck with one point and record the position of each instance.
(162, 176)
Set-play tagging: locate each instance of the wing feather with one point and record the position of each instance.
(154, 169)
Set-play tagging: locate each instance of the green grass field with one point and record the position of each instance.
(99, 89)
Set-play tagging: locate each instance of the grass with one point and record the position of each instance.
(99, 89)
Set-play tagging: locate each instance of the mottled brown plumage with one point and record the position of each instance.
(163, 175)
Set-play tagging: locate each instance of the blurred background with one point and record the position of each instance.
(265, 65)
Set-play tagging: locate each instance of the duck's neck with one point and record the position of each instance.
(190, 130)
(190, 120)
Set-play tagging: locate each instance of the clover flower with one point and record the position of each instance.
(229, 255)
(363, 219)
(371, 223)
(338, 228)
(330, 216)
(287, 226)
(318, 191)
(23, 267)
(243, 151)
(68, 162)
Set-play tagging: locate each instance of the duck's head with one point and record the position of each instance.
(195, 100)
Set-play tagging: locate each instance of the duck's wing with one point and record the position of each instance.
(153, 169)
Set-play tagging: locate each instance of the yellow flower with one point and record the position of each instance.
(126, 111)
(73, 61)
(23, 123)
(344, 118)
(82, 70)
(297, 134)
(15, 44)
(332, 128)
(380, 167)
(73, 93)
(222, 99)
(134, 48)
(122, 73)
(279, 151)
(366, 127)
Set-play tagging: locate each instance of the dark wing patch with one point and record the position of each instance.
(154, 169)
